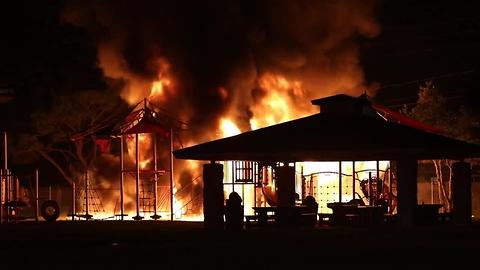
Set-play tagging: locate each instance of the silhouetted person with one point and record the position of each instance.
(234, 212)
(310, 202)
(311, 210)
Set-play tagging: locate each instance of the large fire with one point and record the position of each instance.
(279, 101)
(249, 67)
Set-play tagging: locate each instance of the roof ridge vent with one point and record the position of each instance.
(343, 104)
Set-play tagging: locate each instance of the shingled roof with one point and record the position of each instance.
(347, 128)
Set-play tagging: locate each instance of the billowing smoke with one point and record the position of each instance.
(217, 58)
(217, 50)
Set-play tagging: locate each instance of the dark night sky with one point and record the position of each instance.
(424, 39)
(418, 40)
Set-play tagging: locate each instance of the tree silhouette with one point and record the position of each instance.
(65, 134)
(454, 121)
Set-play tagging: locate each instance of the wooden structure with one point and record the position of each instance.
(146, 119)
(346, 129)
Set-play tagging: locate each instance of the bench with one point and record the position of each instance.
(390, 218)
(328, 218)
(324, 218)
(445, 217)
(253, 219)
(249, 219)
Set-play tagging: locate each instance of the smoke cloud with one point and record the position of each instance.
(241, 59)
(216, 51)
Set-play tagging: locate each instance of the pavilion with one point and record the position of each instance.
(346, 129)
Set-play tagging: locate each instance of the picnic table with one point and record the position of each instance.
(346, 213)
(281, 215)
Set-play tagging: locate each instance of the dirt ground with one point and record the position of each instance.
(186, 245)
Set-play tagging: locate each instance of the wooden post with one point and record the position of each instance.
(73, 201)
(137, 180)
(285, 183)
(302, 178)
(462, 193)
(36, 195)
(339, 181)
(390, 188)
(87, 215)
(213, 199)
(370, 191)
(172, 196)
(7, 193)
(407, 191)
(377, 179)
(5, 151)
(122, 180)
(353, 179)
(5, 173)
(432, 193)
(155, 177)
(1, 195)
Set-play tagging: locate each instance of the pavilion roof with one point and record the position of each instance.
(354, 130)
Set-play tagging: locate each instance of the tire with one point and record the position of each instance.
(50, 210)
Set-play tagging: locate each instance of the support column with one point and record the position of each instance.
(172, 182)
(36, 195)
(122, 179)
(5, 179)
(5, 170)
(390, 185)
(5, 151)
(87, 215)
(285, 183)
(370, 189)
(407, 191)
(340, 181)
(213, 199)
(137, 179)
(74, 211)
(353, 180)
(7, 194)
(155, 178)
(462, 193)
(1, 195)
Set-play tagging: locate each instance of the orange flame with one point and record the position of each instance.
(144, 149)
(228, 128)
(161, 87)
(281, 101)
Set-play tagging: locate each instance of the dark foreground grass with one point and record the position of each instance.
(186, 245)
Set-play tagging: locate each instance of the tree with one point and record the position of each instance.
(64, 135)
(455, 122)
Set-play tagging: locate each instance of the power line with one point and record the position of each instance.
(447, 75)
(415, 102)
